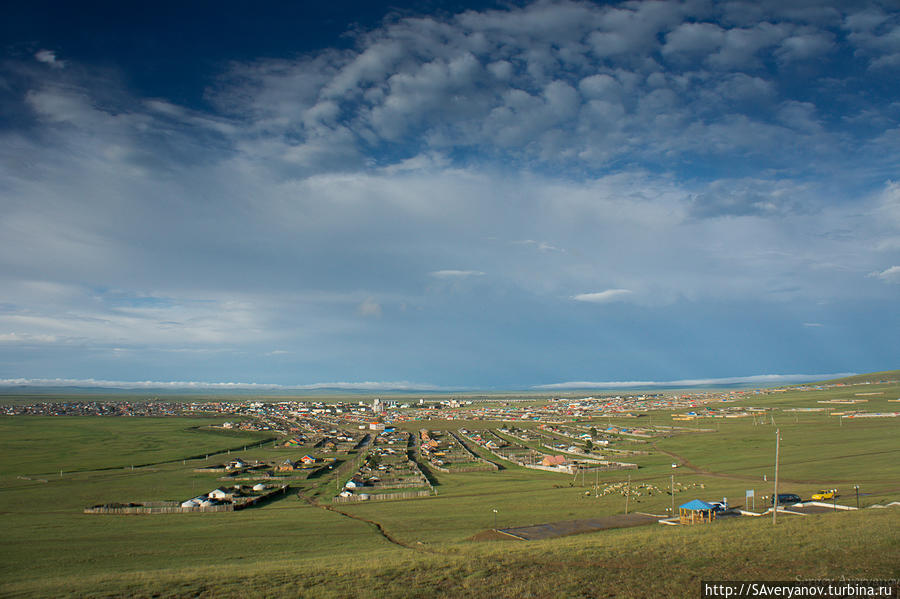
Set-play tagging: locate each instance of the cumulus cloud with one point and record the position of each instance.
(805, 46)
(888, 275)
(49, 57)
(591, 93)
(602, 297)
(664, 145)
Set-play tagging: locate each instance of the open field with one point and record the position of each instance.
(422, 547)
(641, 562)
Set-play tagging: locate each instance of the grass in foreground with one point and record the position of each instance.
(644, 562)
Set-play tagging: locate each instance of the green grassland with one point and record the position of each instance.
(295, 547)
(871, 377)
(47, 444)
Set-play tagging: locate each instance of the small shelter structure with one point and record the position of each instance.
(696, 512)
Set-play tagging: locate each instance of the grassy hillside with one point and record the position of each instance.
(644, 562)
(872, 378)
(291, 548)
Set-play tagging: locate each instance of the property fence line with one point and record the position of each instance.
(557, 469)
(263, 477)
(259, 498)
(399, 484)
(174, 507)
(484, 464)
(485, 467)
(382, 496)
(415, 466)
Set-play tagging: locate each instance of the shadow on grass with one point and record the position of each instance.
(426, 471)
(325, 469)
(270, 499)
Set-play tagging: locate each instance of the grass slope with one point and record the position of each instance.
(290, 548)
(644, 562)
(871, 377)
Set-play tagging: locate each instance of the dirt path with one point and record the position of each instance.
(378, 527)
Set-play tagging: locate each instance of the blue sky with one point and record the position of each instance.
(449, 194)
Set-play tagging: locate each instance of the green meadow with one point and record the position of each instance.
(294, 546)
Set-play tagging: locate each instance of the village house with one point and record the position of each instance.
(286, 466)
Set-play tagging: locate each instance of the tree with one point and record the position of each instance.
(589, 445)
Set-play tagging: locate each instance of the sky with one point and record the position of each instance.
(448, 194)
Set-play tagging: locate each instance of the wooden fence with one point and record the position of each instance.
(382, 496)
(147, 508)
(174, 507)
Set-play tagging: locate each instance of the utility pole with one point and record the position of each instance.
(627, 493)
(775, 495)
(673, 494)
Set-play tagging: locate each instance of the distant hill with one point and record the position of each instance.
(872, 377)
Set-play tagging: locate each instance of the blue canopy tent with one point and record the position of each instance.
(696, 511)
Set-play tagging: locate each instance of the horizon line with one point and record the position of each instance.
(771, 379)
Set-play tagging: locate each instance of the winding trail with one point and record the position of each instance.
(377, 525)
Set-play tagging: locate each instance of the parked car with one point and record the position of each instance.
(824, 494)
(788, 498)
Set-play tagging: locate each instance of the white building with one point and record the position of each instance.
(217, 494)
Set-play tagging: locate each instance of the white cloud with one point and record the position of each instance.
(602, 297)
(889, 275)
(813, 324)
(27, 338)
(329, 180)
(222, 386)
(370, 308)
(49, 57)
(456, 274)
(374, 386)
(79, 316)
(542, 246)
(805, 46)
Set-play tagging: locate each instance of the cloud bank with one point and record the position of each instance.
(218, 386)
